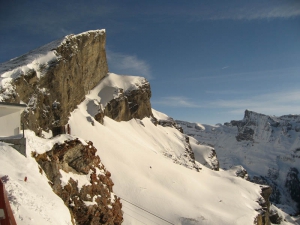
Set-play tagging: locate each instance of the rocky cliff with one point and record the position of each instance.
(128, 105)
(77, 175)
(263, 217)
(55, 78)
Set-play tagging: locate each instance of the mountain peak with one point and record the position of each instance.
(251, 115)
(41, 56)
(53, 79)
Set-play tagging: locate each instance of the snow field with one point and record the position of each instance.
(133, 152)
(33, 202)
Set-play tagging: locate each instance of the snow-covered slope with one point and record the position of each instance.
(267, 146)
(135, 153)
(151, 171)
(33, 201)
(110, 87)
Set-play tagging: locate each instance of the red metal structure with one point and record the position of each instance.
(9, 218)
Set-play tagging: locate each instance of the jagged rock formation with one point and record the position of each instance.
(91, 202)
(276, 191)
(128, 105)
(66, 70)
(55, 78)
(264, 212)
(263, 125)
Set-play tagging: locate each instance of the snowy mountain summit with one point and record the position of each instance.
(268, 147)
(99, 154)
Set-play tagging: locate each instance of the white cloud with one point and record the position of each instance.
(254, 11)
(127, 64)
(279, 103)
(176, 101)
(235, 10)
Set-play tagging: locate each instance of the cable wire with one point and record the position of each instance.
(147, 211)
(135, 218)
(140, 214)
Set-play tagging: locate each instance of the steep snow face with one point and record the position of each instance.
(133, 152)
(267, 146)
(140, 156)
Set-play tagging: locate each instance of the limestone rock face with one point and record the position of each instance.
(58, 85)
(131, 104)
(92, 203)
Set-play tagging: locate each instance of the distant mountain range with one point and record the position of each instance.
(268, 147)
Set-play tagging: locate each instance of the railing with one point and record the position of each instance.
(7, 217)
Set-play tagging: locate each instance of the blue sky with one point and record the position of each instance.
(207, 61)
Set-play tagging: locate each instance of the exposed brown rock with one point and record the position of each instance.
(80, 65)
(92, 204)
(264, 212)
(131, 104)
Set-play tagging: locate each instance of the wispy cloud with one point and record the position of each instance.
(233, 10)
(128, 64)
(260, 10)
(176, 101)
(272, 103)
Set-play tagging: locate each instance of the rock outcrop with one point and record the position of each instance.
(77, 175)
(275, 196)
(264, 213)
(128, 105)
(240, 171)
(54, 86)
